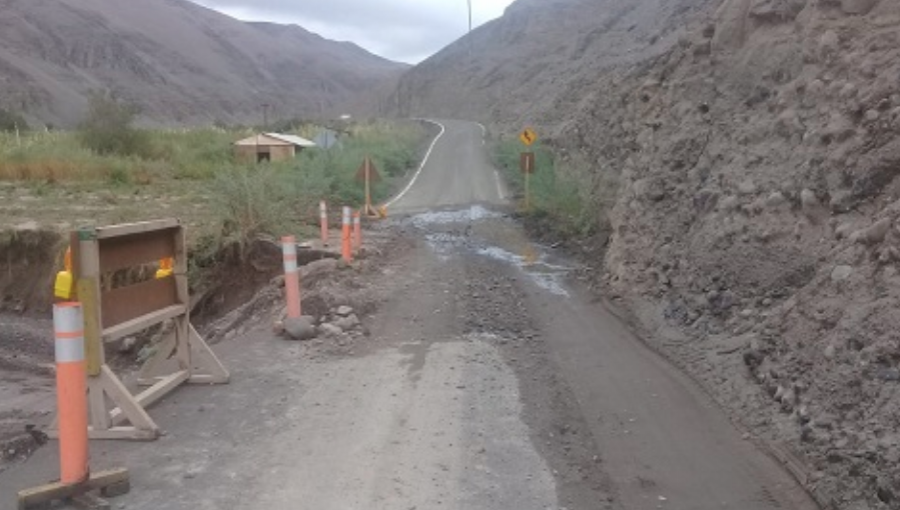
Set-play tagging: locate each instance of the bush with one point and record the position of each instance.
(10, 121)
(251, 202)
(108, 128)
(578, 208)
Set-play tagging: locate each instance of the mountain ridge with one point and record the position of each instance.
(179, 62)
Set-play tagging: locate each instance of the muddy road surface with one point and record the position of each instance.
(488, 380)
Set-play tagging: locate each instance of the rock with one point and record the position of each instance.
(841, 201)
(706, 200)
(278, 281)
(808, 199)
(302, 328)
(318, 267)
(829, 43)
(873, 234)
(888, 374)
(331, 330)
(839, 129)
(775, 199)
(344, 311)
(729, 203)
(830, 352)
(747, 187)
(843, 230)
(841, 273)
(127, 344)
(347, 323)
(858, 6)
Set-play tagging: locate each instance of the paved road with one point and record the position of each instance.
(457, 172)
(489, 382)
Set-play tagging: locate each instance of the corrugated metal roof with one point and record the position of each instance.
(292, 139)
(273, 139)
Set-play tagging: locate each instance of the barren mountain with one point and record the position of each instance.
(180, 62)
(754, 233)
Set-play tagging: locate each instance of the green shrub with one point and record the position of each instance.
(10, 121)
(559, 189)
(108, 128)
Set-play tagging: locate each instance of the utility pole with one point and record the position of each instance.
(470, 26)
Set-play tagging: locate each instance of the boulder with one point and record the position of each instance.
(873, 234)
(775, 199)
(729, 203)
(747, 187)
(344, 311)
(301, 328)
(841, 273)
(331, 330)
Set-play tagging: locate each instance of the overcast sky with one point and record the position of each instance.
(402, 30)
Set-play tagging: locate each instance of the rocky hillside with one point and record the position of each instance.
(181, 63)
(755, 236)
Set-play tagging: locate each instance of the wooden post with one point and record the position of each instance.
(368, 171)
(527, 191)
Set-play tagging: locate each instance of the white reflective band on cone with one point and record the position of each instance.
(289, 251)
(69, 350)
(347, 215)
(68, 325)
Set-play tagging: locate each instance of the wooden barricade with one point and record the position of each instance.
(111, 314)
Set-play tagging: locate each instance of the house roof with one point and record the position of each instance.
(292, 139)
(275, 139)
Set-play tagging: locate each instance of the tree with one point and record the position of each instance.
(108, 127)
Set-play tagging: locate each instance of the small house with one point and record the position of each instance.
(270, 147)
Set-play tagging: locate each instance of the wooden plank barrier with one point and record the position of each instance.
(112, 314)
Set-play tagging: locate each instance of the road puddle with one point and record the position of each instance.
(483, 232)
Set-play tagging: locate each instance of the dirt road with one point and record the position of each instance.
(489, 380)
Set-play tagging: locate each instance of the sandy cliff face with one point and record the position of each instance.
(756, 230)
(756, 234)
(181, 63)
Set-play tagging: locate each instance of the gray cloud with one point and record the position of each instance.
(404, 30)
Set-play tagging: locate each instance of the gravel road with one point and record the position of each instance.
(489, 380)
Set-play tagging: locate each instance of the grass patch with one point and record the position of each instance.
(52, 178)
(572, 195)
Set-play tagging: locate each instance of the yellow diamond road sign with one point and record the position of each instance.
(528, 136)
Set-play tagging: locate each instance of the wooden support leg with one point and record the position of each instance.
(129, 409)
(211, 370)
(115, 479)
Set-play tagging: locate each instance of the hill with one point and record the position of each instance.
(179, 62)
(754, 234)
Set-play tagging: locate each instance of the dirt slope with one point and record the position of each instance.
(755, 235)
(180, 62)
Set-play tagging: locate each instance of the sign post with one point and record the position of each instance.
(527, 162)
(369, 174)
